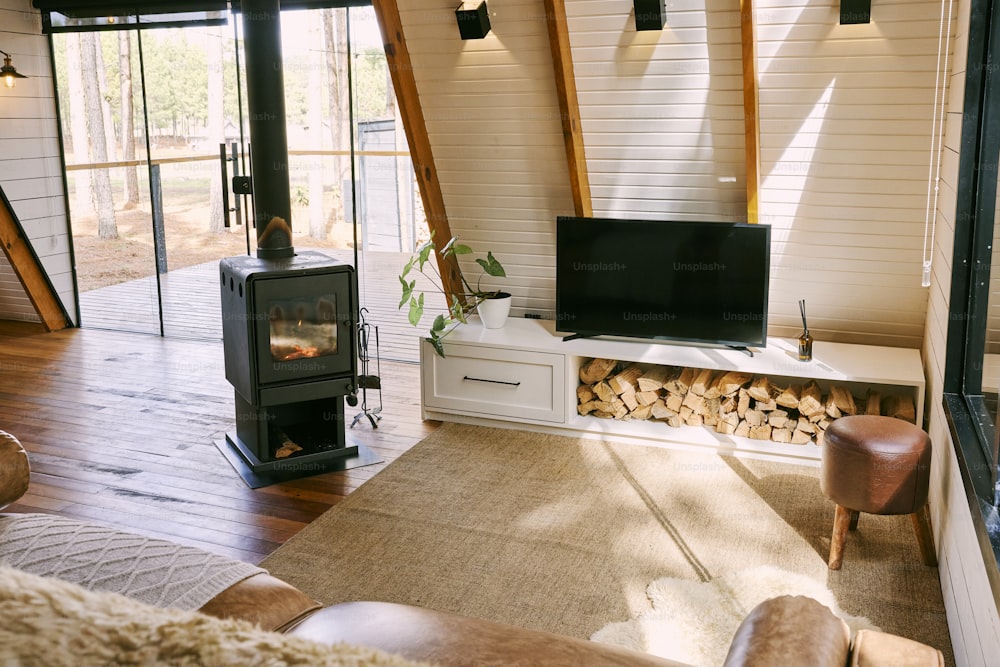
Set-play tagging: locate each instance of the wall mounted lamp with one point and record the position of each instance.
(855, 11)
(8, 72)
(650, 14)
(473, 20)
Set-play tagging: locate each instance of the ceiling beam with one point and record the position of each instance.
(569, 107)
(751, 107)
(29, 270)
(408, 101)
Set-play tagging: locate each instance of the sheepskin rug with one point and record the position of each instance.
(693, 621)
(49, 622)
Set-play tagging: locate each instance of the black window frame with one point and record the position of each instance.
(969, 419)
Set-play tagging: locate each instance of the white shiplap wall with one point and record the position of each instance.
(30, 164)
(973, 618)
(846, 131)
(493, 119)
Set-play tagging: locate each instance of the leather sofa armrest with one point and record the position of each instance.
(879, 649)
(15, 472)
(449, 640)
(790, 630)
(262, 599)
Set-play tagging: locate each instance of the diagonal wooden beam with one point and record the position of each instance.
(29, 270)
(408, 102)
(751, 107)
(569, 107)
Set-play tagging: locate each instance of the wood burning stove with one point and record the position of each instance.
(290, 343)
(290, 320)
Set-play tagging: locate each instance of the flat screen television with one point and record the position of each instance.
(702, 282)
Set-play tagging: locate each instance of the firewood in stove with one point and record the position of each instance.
(789, 397)
(584, 393)
(873, 403)
(760, 389)
(288, 446)
(844, 400)
(596, 370)
(900, 407)
(681, 383)
(604, 391)
(654, 378)
(811, 399)
(626, 380)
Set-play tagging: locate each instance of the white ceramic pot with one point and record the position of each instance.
(493, 312)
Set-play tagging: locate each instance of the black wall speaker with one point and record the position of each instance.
(855, 11)
(473, 23)
(650, 14)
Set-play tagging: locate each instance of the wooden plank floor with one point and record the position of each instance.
(191, 303)
(120, 428)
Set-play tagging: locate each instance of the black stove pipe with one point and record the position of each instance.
(268, 137)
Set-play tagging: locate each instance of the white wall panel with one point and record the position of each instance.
(846, 134)
(30, 165)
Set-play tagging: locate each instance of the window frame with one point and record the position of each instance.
(972, 428)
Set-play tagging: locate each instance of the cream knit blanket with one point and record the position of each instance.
(50, 623)
(99, 558)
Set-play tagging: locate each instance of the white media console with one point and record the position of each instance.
(525, 376)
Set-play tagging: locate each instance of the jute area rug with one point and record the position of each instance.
(565, 534)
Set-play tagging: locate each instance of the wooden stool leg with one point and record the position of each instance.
(854, 520)
(922, 527)
(841, 521)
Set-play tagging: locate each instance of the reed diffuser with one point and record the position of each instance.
(805, 340)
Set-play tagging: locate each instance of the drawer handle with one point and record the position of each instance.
(472, 379)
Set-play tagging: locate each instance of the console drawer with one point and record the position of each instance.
(509, 383)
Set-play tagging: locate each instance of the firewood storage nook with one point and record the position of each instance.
(769, 404)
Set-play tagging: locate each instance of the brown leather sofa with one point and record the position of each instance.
(782, 631)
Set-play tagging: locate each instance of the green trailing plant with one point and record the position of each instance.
(459, 308)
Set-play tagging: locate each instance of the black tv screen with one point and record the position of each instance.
(704, 282)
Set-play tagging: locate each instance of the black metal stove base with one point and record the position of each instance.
(257, 474)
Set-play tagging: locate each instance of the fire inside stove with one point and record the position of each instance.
(303, 329)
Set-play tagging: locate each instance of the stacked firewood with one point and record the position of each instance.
(731, 402)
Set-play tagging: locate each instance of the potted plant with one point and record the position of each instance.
(492, 306)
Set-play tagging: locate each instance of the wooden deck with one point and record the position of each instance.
(191, 304)
(120, 429)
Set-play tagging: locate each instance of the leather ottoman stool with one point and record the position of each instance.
(878, 465)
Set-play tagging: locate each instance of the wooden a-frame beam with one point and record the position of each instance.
(29, 271)
(569, 107)
(408, 101)
(751, 107)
